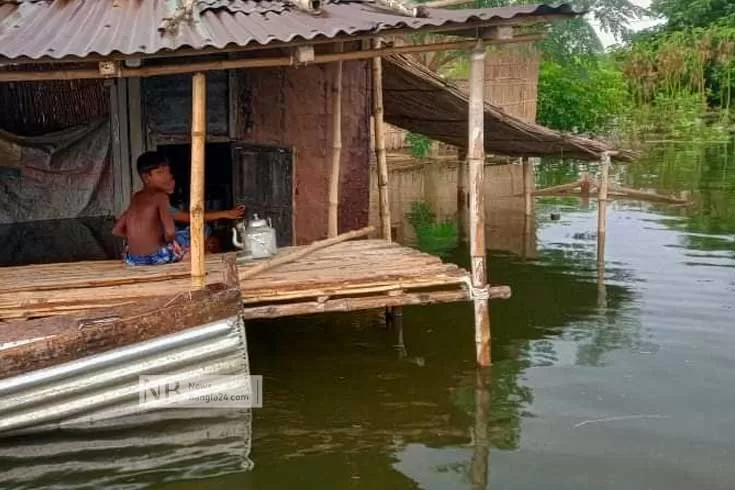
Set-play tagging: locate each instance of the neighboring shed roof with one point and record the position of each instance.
(56, 29)
(418, 100)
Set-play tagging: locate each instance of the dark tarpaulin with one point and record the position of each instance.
(69, 240)
(55, 194)
(60, 175)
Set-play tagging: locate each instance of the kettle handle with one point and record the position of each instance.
(270, 223)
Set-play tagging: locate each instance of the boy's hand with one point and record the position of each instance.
(236, 212)
(176, 247)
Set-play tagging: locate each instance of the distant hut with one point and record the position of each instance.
(511, 85)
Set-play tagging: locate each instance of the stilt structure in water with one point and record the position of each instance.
(248, 116)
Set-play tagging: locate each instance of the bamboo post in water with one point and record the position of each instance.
(528, 186)
(196, 198)
(381, 157)
(333, 226)
(476, 164)
(602, 204)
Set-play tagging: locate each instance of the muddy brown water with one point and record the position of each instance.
(619, 380)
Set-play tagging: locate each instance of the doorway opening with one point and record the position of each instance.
(235, 173)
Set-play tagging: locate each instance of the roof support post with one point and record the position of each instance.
(476, 164)
(602, 209)
(380, 153)
(196, 198)
(602, 230)
(334, 176)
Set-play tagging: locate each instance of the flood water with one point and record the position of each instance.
(622, 379)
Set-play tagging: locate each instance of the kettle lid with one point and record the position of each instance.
(257, 222)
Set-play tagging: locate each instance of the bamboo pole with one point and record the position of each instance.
(462, 200)
(602, 231)
(476, 163)
(233, 64)
(303, 252)
(381, 157)
(528, 186)
(602, 196)
(557, 189)
(196, 201)
(333, 220)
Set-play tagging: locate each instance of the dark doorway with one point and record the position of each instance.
(217, 175)
(263, 179)
(217, 181)
(259, 176)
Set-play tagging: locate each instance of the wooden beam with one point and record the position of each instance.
(196, 202)
(380, 153)
(476, 164)
(303, 252)
(353, 304)
(334, 175)
(231, 64)
(86, 334)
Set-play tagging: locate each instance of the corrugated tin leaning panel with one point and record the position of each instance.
(59, 29)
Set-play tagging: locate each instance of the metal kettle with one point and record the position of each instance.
(257, 239)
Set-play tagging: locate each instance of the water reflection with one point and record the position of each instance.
(139, 452)
(612, 370)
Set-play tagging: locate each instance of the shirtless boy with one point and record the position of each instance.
(148, 225)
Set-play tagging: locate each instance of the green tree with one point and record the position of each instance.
(684, 14)
(580, 95)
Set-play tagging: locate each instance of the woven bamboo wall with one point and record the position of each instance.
(33, 108)
(511, 80)
(511, 83)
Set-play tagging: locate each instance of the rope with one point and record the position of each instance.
(477, 293)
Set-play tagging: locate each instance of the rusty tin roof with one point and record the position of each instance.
(57, 29)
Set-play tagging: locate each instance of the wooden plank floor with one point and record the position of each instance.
(352, 275)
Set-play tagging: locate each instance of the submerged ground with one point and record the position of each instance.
(619, 383)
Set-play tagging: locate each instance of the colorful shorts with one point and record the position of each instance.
(164, 255)
(183, 235)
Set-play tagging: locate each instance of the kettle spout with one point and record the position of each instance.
(236, 239)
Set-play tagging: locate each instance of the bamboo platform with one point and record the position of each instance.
(353, 275)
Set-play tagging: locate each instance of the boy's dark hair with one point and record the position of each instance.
(150, 160)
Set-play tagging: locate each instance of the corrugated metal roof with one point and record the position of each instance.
(56, 29)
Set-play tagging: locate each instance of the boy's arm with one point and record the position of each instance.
(180, 216)
(121, 226)
(169, 228)
(235, 213)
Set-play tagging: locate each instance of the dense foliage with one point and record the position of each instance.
(582, 95)
(675, 79)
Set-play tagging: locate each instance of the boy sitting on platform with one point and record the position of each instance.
(148, 225)
(150, 219)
